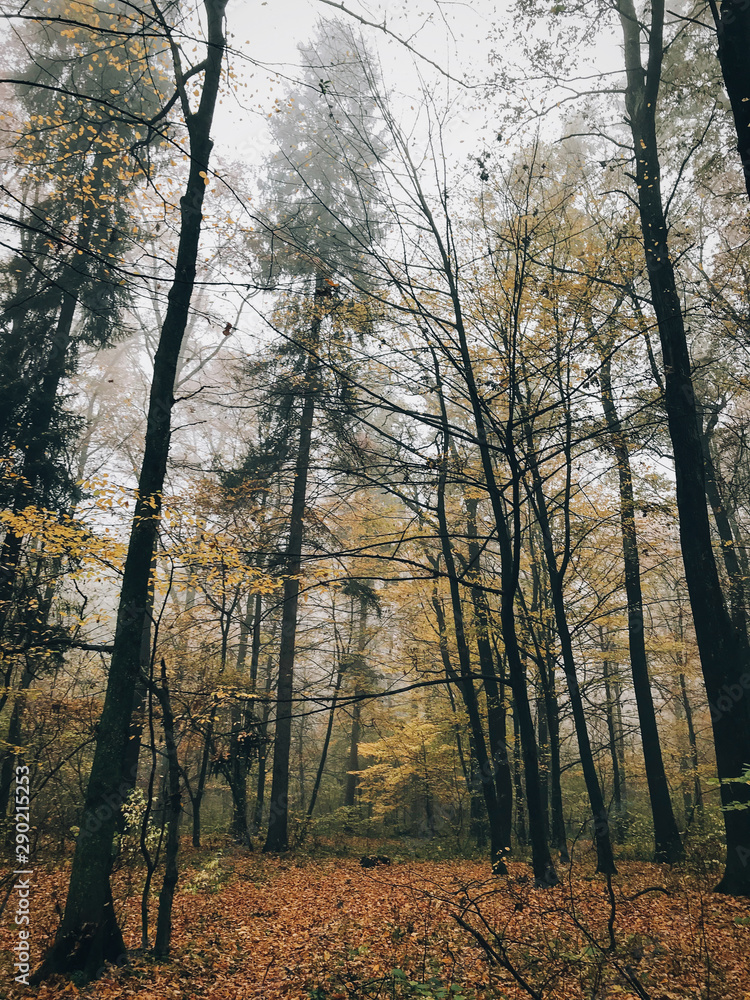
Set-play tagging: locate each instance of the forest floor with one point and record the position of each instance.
(248, 927)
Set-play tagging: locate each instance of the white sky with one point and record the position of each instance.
(453, 35)
(461, 37)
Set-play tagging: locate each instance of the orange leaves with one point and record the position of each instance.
(330, 930)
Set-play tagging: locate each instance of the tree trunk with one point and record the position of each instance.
(667, 843)
(697, 793)
(238, 763)
(13, 741)
(736, 573)
(277, 838)
(260, 785)
(521, 832)
(495, 690)
(470, 772)
(323, 754)
(615, 738)
(544, 871)
(174, 808)
(237, 776)
(605, 859)
(498, 845)
(724, 655)
(352, 765)
(89, 935)
(733, 30)
(557, 816)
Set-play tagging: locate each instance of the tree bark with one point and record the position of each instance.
(469, 772)
(736, 574)
(260, 785)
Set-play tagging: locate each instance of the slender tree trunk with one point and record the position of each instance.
(495, 690)
(453, 679)
(697, 796)
(352, 778)
(724, 654)
(173, 808)
(196, 799)
(13, 741)
(323, 754)
(352, 764)
(667, 843)
(301, 767)
(544, 871)
(260, 786)
(237, 774)
(89, 934)
(521, 832)
(543, 740)
(545, 659)
(277, 838)
(615, 738)
(604, 855)
(498, 846)
(238, 762)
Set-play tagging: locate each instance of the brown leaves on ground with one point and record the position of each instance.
(254, 928)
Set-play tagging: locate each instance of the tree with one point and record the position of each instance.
(89, 935)
(725, 657)
(319, 223)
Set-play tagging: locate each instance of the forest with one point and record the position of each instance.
(375, 500)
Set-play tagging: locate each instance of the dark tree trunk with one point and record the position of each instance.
(237, 774)
(470, 772)
(486, 771)
(277, 838)
(667, 843)
(697, 792)
(521, 831)
(736, 573)
(323, 754)
(724, 655)
(604, 855)
(614, 733)
(260, 785)
(13, 741)
(545, 659)
(542, 729)
(241, 720)
(352, 764)
(196, 799)
(173, 810)
(733, 30)
(544, 871)
(494, 688)
(89, 935)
